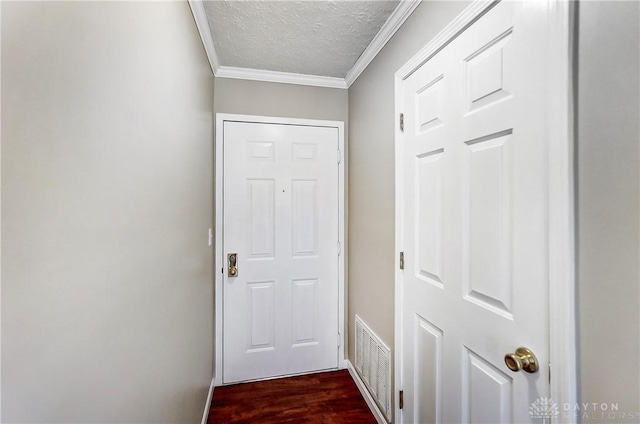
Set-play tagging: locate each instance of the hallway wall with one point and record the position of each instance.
(280, 100)
(608, 207)
(107, 187)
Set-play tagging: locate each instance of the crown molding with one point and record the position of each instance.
(393, 24)
(395, 21)
(202, 23)
(281, 77)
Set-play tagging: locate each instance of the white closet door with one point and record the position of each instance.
(475, 216)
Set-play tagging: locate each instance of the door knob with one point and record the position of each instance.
(523, 359)
(232, 260)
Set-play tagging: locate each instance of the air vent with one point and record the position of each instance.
(372, 363)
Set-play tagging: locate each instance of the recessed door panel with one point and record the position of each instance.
(261, 151)
(485, 73)
(262, 217)
(305, 303)
(305, 217)
(488, 223)
(260, 297)
(487, 392)
(429, 105)
(428, 372)
(304, 152)
(428, 217)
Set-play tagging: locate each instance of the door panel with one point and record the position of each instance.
(428, 373)
(487, 224)
(474, 178)
(486, 392)
(262, 222)
(428, 218)
(305, 223)
(305, 306)
(260, 319)
(281, 218)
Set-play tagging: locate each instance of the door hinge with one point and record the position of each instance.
(339, 156)
(339, 339)
(401, 400)
(401, 260)
(339, 248)
(549, 373)
(402, 122)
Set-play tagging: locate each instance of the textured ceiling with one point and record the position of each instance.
(306, 37)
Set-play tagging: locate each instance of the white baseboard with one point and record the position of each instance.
(207, 405)
(373, 406)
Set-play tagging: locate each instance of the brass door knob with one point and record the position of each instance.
(232, 259)
(523, 359)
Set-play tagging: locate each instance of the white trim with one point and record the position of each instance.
(562, 257)
(0, 225)
(373, 406)
(219, 209)
(207, 405)
(393, 24)
(202, 23)
(399, 240)
(218, 262)
(562, 317)
(281, 77)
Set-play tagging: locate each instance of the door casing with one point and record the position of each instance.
(219, 259)
(561, 237)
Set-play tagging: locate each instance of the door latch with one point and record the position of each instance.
(232, 267)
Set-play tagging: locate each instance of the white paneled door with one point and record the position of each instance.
(474, 172)
(281, 223)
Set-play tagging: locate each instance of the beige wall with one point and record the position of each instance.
(608, 109)
(280, 100)
(106, 201)
(372, 171)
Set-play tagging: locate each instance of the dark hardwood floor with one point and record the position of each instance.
(329, 397)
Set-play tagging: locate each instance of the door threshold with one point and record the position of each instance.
(282, 376)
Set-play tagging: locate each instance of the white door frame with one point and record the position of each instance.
(561, 237)
(219, 260)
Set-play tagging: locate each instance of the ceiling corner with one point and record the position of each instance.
(398, 17)
(200, 17)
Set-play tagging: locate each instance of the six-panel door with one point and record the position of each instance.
(281, 218)
(474, 176)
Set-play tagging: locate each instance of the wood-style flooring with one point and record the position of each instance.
(329, 397)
